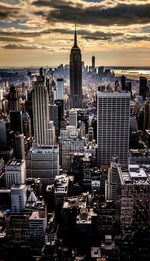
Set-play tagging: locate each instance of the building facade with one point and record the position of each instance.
(75, 75)
(113, 123)
(40, 111)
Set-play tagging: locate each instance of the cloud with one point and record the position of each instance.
(96, 14)
(23, 33)
(10, 39)
(137, 38)
(8, 11)
(15, 46)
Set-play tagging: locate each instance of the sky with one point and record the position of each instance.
(40, 32)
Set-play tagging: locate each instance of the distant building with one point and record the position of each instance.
(93, 62)
(143, 87)
(146, 115)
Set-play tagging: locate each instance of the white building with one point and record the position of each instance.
(113, 124)
(18, 198)
(60, 89)
(43, 163)
(73, 117)
(15, 172)
(51, 133)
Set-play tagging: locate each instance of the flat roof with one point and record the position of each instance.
(15, 162)
(136, 172)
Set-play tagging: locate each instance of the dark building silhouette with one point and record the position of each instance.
(123, 83)
(13, 99)
(16, 121)
(75, 75)
(93, 62)
(146, 115)
(143, 87)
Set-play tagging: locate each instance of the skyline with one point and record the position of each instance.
(41, 32)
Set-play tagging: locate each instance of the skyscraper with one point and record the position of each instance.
(147, 115)
(75, 75)
(113, 122)
(93, 61)
(13, 99)
(40, 111)
(73, 118)
(18, 198)
(143, 87)
(60, 89)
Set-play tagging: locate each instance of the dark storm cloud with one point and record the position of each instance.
(23, 33)
(121, 14)
(22, 47)
(10, 39)
(8, 11)
(97, 35)
(138, 38)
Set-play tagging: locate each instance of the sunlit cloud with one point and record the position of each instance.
(45, 27)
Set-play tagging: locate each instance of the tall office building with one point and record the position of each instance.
(19, 148)
(13, 99)
(4, 126)
(60, 89)
(16, 121)
(93, 62)
(26, 124)
(123, 82)
(73, 118)
(113, 123)
(15, 173)
(43, 163)
(75, 75)
(143, 87)
(18, 198)
(147, 115)
(40, 111)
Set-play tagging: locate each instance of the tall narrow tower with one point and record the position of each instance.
(93, 62)
(75, 75)
(40, 112)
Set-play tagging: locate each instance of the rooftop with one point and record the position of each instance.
(134, 175)
(77, 201)
(15, 162)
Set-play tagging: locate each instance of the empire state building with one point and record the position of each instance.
(75, 75)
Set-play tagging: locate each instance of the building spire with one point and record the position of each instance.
(75, 37)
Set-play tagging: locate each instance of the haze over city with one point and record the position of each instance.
(40, 32)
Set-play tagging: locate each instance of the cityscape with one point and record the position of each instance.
(74, 130)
